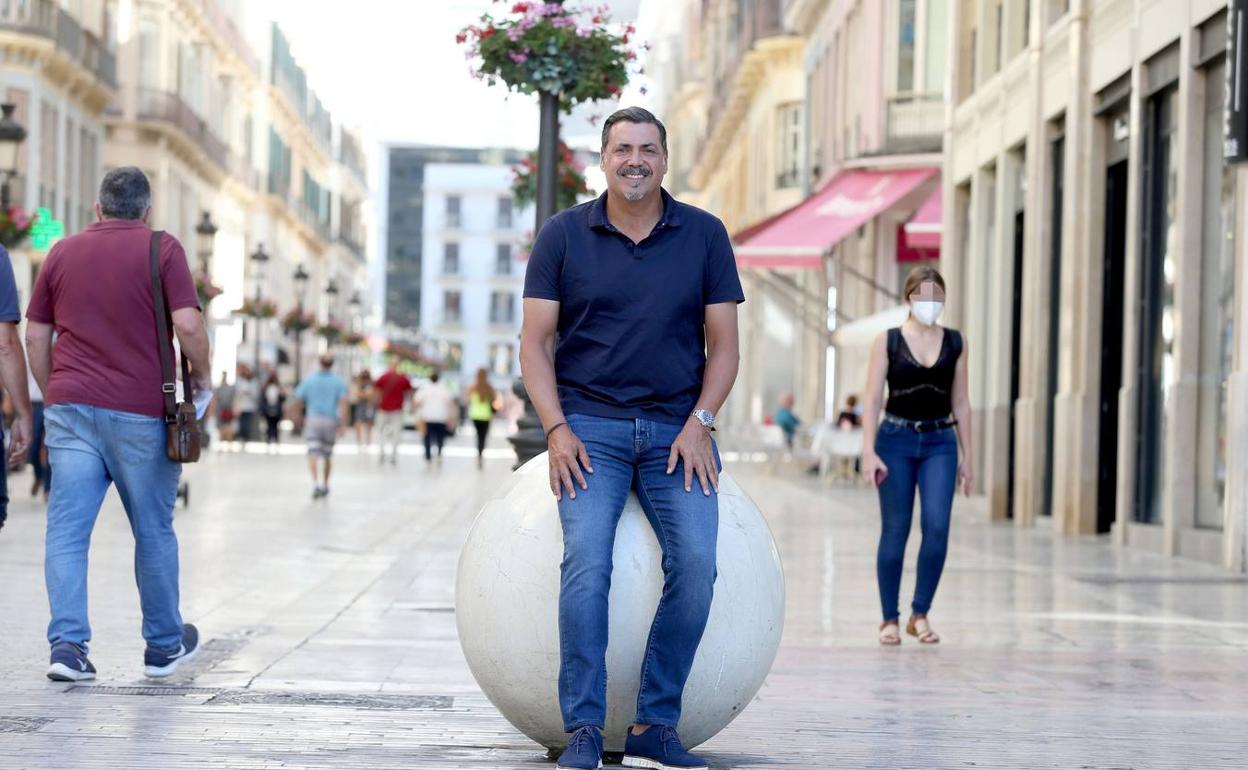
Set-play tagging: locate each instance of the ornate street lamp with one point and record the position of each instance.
(331, 296)
(12, 134)
(301, 286)
(259, 259)
(205, 236)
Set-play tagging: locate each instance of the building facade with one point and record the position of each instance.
(217, 111)
(1097, 230)
(59, 70)
(813, 128)
(402, 233)
(472, 279)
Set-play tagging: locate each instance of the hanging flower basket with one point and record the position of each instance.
(15, 225)
(206, 290)
(263, 309)
(551, 48)
(353, 339)
(296, 321)
(572, 183)
(331, 331)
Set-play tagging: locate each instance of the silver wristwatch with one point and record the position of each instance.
(706, 417)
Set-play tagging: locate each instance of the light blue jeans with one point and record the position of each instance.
(632, 455)
(88, 449)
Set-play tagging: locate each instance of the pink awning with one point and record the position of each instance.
(923, 229)
(801, 236)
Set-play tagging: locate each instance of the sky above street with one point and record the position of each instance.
(393, 69)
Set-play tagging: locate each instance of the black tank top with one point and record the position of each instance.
(918, 392)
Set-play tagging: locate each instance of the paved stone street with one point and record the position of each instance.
(331, 639)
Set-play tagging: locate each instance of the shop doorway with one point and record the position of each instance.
(1058, 157)
(1116, 181)
(1016, 339)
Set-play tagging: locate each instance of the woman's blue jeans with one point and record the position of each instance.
(632, 455)
(928, 463)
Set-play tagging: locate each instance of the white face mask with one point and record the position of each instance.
(926, 313)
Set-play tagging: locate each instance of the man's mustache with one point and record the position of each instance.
(626, 170)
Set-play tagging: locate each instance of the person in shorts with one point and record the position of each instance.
(324, 395)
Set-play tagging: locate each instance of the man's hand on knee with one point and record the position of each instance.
(567, 456)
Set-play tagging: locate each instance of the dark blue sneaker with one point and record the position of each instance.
(158, 662)
(69, 663)
(584, 751)
(659, 748)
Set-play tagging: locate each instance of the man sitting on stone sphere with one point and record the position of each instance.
(629, 347)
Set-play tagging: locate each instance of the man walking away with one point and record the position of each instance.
(438, 413)
(324, 394)
(102, 384)
(247, 402)
(12, 378)
(393, 390)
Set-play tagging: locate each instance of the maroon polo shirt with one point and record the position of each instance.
(95, 289)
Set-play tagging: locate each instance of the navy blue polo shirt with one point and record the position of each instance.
(632, 317)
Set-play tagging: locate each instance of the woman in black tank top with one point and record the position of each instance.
(915, 447)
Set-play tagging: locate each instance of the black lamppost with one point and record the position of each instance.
(12, 134)
(547, 155)
(205, 235)
(301, 285)
(331, 297)
(258, 261)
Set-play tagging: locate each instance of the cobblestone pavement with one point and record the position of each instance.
(330, 639)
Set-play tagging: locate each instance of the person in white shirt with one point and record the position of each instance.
(438, 413)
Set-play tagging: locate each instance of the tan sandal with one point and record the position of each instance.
(890, 633)
(922, 630)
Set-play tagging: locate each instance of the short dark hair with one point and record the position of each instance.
(125, 193)
(434, 377)
(327, 361)
(633, 115)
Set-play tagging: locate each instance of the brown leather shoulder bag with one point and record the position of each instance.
(182, 436)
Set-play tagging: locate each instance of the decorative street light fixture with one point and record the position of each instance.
(205, 235)
(331, 294)
(12, 134)
(355, 302)
(301, 285)
(258, 261)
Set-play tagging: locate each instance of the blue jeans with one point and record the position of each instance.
(927, 462)
(89, 448)
(632, 455)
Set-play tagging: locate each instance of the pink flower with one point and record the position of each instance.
(519, 57)
(586, 32)
(514, 33)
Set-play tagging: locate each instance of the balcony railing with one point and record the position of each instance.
(762, 19)
(352, 244)
(226, 28)
(916, 122)
(165, 107)
(44, 19)
(352, 156)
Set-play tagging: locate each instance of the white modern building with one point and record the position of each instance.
(472, 276)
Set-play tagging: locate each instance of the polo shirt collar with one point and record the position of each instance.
(118, 224)
(598, 211)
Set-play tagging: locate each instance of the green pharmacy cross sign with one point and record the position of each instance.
(46, 230)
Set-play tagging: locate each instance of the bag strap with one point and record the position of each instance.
(894, 343)
(164, 320)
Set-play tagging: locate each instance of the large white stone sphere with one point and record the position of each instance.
(507, 599)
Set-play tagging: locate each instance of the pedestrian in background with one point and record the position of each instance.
(438, 412)
(324, 395)
(223, 404)
(105, 414)
(392, 389)
(246, 402)
(273, 407)
(482, 402)
(13, 378)
(849, 417)
(363, 408)
(787, 421)
(926, 420)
